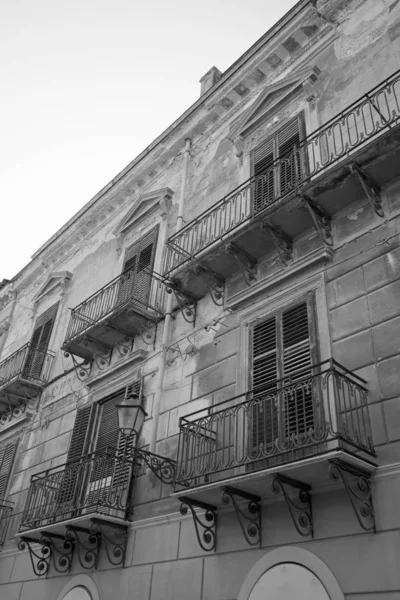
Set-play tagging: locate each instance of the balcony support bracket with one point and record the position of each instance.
(214, 282)
(301, 509)
(282, 243)
(125, 345)
(247, 264)
(359, 491)
(163, 468)
(187, 303)
(250, 523)
(41, 558)
(321, 218)
(62, 554)
(147, 330)
(89, 548)
(206, 528)
(101, 352)
(114, 538)
(372, 190)
(82, 369)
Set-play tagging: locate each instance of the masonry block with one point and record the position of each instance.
(120, 583)
(11, 591)
(384, 303)
(224, 573)
(157, 543)
(177, 581)
(382, 270)
(355, 351)
(345, 288)
(391, 409)
(388, 375)
(386, 338)
(6, 568)
(349, 318)
(379, 434)
(214, 378)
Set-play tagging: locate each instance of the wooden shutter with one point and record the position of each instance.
(7, 454)
(288, 138)
(39, 343)
(81, 439)
(263, 158)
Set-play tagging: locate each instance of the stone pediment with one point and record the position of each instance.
(269, 100)
(57, 279)
(146, 203)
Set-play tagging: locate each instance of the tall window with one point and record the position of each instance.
(283, 350)
(138, 264)
(7, 453)
(276, 165)
(39, 343)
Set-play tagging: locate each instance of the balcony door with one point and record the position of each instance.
(277, 163)
(36, 355)
(283, 350)
(136, 275)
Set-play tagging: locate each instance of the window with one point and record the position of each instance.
(39, 343)
(93, 472)
(7, 453)
(283, 350)
(275, 167)
(138, 264)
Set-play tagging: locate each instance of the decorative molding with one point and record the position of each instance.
(56, 280)
(116, 376)
(4, 325)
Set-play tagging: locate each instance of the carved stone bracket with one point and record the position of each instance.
(250, 523)
(82, 369)
(40, 559)
(147, 330)
(322, 220)
(359, 491)
(101, 352)
(88, 544)
(62, 553)
(215, 283)
(114, 538)
(301, 509)
(282, 243)
(247, 264)
(372, 190)
(124, 345)
(187, 303)
(206, 528)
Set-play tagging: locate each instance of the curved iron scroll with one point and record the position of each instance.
(163, 468)
(88, 551)
(187, 303)
(206, 530)
(62, 554)
(252, 529)
(301, 510)
(82, 369)
(40, 560)
(115, 543)
(359, 491)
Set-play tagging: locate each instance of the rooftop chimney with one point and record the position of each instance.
(209, 79)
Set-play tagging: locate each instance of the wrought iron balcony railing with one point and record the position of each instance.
(371, 115)
(99, 483)
(317, 410)
(29, 362)
(138, 288)
(6, 508)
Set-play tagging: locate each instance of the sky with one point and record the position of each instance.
(88, 84)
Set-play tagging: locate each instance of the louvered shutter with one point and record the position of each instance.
(288, 142)
(7, 454)
(138, 264)
(296, 362)
(39, 343)
(263, 159)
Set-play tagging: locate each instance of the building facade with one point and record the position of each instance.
(239, 281)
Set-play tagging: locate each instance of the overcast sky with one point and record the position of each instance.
(88, 84)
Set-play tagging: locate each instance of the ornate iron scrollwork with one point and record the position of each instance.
(359, 491)
(301, 510)
(88, 551)
(322, 220)
(115, 543)
(101, 352)
(147, 330)
(372, 190)
(282, 243)
(214, 282)
(40, 560)
(83, 369)
(124, 345)
(250, 523)
(247, 264)
(206, 529)
(163, 468)
(62, 554)
(187, 303)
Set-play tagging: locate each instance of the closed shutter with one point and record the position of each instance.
(264, 189)
(80, 439)
(7, 454)
(39, 343)
(288, 139)
(138, 264)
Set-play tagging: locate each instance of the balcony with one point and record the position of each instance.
(6, 509)
(354, 154)
(77, 507)
(23, 375)
(296, 429)
(128, 305)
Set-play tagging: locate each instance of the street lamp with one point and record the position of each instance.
(131, 416)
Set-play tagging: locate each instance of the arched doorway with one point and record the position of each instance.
(78, 593)
(290, 573)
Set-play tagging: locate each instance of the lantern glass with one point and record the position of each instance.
(131, 415)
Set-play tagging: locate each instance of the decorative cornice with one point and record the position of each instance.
(57, 279)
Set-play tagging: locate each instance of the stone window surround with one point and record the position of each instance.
(83, 581)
